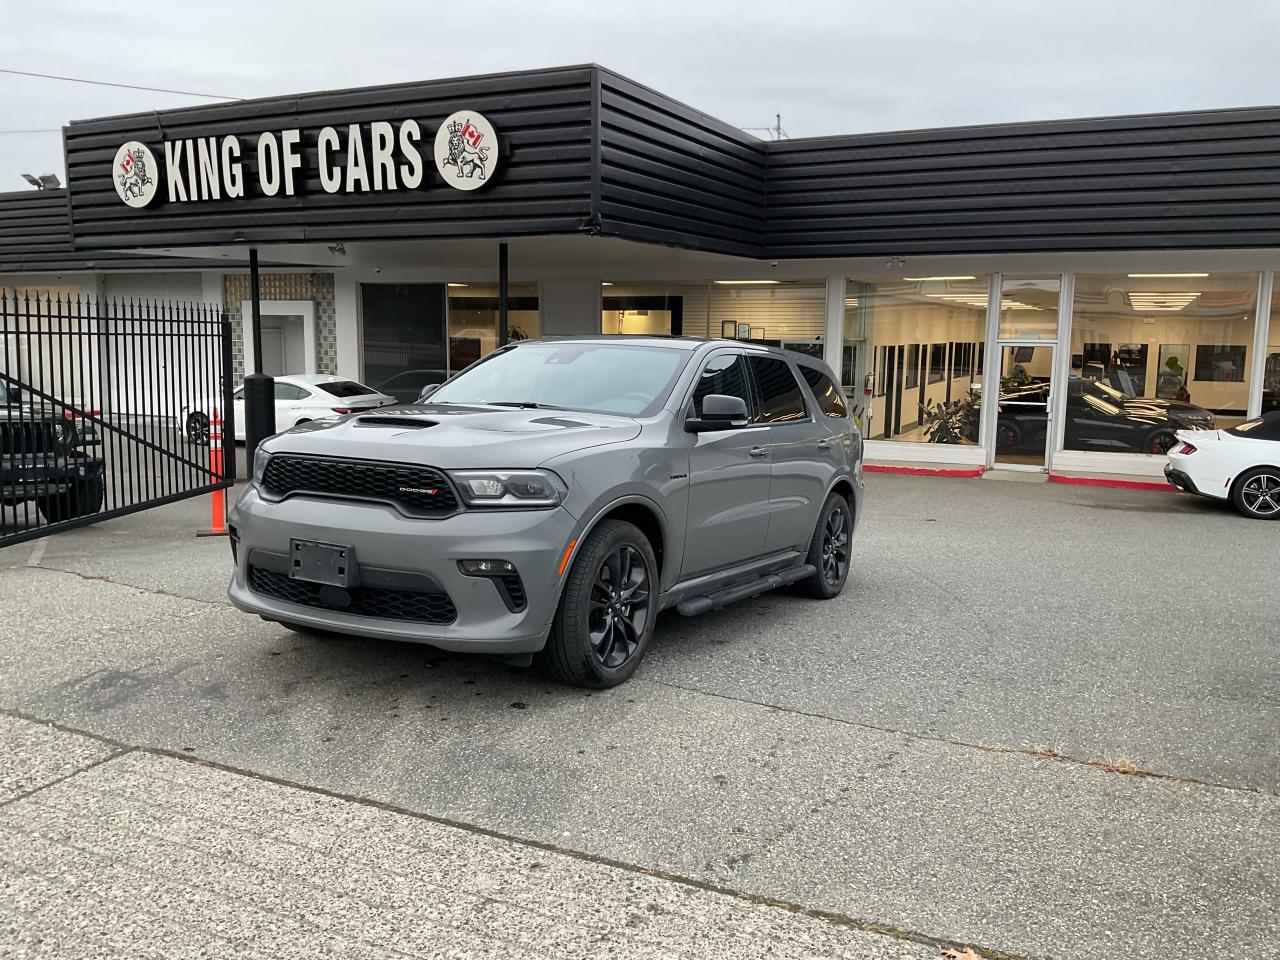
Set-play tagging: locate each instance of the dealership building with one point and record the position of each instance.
(1106, 280)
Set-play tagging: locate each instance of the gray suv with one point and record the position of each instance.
(552, 498)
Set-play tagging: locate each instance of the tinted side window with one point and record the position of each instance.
(725, 375)
(287, 391)
(829, 399)
(780, 397)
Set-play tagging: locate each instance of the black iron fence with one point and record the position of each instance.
(105, 408)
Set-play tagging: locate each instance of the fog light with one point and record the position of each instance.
(486, 568)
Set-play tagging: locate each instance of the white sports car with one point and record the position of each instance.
(299, 398)
(1239, 463)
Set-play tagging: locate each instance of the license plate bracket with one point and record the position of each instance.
(328, 563)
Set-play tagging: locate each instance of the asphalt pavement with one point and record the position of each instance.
(1040, 720)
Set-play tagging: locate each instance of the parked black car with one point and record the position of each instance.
(1098, 418)
(40, 461)
(407, 385)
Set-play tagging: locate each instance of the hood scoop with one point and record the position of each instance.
(399, 422)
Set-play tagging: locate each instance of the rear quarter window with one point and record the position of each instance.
(825, 392)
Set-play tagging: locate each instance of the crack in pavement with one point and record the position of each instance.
(1035, 753)
(826, 916)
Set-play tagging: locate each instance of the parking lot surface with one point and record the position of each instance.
(1040, 720)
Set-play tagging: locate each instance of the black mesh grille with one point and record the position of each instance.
(26, 437)
(415, 491)
(515, 589)
(362, 601)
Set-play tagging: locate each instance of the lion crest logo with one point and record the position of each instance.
(466, 150)
(132, 172)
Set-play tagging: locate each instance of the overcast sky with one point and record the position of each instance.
(827, 67)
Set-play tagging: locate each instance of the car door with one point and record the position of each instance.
(290, 404)
(799, 453)
(237, 405)
(728, 512)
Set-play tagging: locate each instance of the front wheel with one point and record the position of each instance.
(1257, 493)
(80, 499)
(830, 550)
(605, 619)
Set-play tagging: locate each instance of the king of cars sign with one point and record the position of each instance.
(356, 158)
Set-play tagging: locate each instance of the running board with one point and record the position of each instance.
(744, 591)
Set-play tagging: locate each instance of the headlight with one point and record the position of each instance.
(260, 458)
(509, 488)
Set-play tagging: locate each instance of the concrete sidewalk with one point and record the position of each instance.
(110, 852)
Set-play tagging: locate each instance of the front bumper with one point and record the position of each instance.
(402, 553)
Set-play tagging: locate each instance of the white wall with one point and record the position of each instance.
(569, 307)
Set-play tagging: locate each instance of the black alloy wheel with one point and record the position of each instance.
(1161, 442)
(619, 607)
(197, 428)
(607, 610)
(1257, 493)
(830, 550)
(835, 548)
(1008, 436)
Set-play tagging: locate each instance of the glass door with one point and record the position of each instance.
(1024, 414)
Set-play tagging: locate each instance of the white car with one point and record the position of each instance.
(299, 398)
(1239, 463)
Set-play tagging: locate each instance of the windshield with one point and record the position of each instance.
(346, 388)
(628, 380)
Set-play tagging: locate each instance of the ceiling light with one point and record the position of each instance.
(1139, 275)
(1153, 302)
(850, 301)
(922, 279)
(735, 282)
(606, 283)
(457, 284)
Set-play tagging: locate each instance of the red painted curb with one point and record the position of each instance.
(967, 473)
(1155, 485)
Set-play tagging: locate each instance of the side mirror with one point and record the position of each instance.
(427, 391)
(719, 412)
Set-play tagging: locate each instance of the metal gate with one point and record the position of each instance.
(105, 408)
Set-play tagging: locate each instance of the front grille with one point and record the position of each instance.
(415, 606)
(414, 491)
(24, 438)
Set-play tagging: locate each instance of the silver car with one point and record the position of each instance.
(550, 500)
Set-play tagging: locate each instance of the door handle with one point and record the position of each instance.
(824, 444)
(759, 451)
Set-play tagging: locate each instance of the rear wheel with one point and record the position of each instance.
(830, 550)
(605, 619)
(196, 429)
(1257, 493)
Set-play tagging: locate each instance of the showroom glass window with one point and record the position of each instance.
(923, 341)
(1152, 353)
(473, 319)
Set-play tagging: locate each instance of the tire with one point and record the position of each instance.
(196, 429)
(79, 500)
(1256, 493)
(1008, 436)
(1160, 443)
(830, 550)
(600, 633)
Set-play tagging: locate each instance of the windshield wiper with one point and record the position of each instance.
(524, 405)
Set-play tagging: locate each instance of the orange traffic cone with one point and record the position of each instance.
(218, 503)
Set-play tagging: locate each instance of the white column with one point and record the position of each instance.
(568, 308)
(991, 370)
(833, 331)
(1261, 329)
(346, 320)
(211, 287)
(1061, 368)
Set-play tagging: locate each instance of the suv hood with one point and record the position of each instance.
(456, 436)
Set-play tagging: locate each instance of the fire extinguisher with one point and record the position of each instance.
(869, 388)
